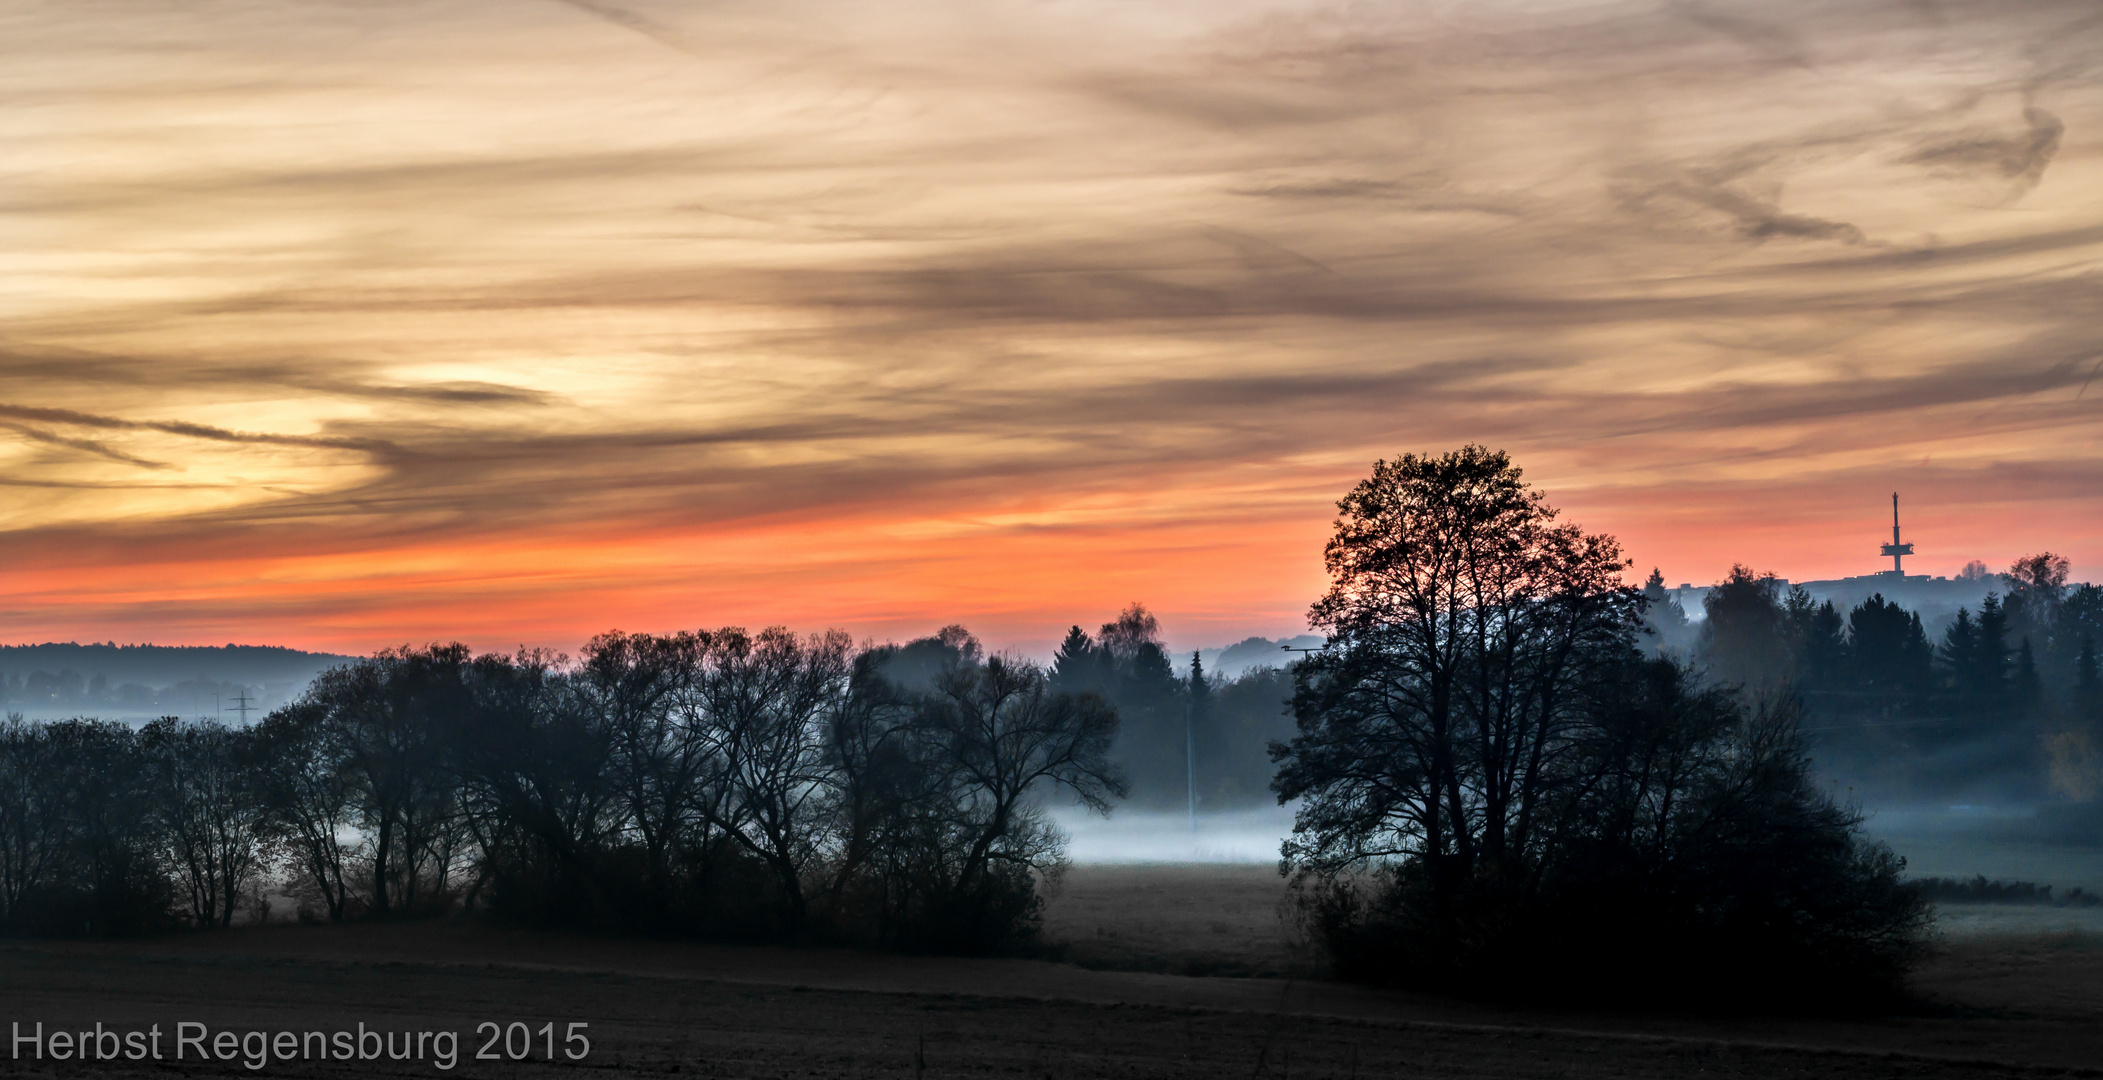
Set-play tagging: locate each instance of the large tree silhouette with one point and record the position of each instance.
(1539, 806)
(1462, 623)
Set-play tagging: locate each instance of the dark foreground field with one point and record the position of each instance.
(2000, 1007)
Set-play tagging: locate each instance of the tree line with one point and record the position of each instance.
(717, 782)
(2009, 695)
(1180, 737)
(2029, 649)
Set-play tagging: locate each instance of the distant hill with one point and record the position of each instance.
(1248, 654)
(1934, 599)
(139, 682)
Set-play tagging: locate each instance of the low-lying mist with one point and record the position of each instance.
(1134, 835)
(1999, 843)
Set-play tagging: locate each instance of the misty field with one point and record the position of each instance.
(1109, 913)
(1227, 919)
(1196, 919)
(1995, 1005)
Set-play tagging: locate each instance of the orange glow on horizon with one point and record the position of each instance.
(339, 327)
(1017, 586)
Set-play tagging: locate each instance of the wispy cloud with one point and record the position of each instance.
(2020, 157)
(187, 430)
(513, 319)
(88, 446)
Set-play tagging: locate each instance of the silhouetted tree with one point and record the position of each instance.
(916, 664)
(1463, 623)
(882, 791)
(769, 700)
(211, 808)
(1889, 650)
(719, 782)
(1975, 658)
(387, 714)
(116, 882)
(2025, 689)
(944, 759)
(1080, 665)
(1248, 713)
(310, 790)
(1992, 657)
(2088, 685)
(997, 736)
(34, 826)
(1822, 645)
(2037, 590)
(1960, 647)
(1128, 666)
(656, 765)
(1539, 807)
(1665, 621)
(536, 782)
(2080, 623)
(1701, 843)
(1746, 638)
(1134, 629)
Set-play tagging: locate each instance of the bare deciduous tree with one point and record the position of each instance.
(1460, 618)
(213, 811)
(310, 791)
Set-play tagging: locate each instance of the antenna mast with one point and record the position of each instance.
(1895, 549)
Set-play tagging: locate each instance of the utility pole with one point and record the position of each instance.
(1190, 763)
(242, 704)
(1190, 745)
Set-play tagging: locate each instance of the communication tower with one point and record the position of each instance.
(1895, 549)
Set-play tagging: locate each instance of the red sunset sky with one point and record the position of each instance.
(339, 326)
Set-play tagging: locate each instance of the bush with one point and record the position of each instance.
(1695, 864)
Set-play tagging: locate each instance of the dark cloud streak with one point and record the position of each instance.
(188, 430)
(2022, 158)
(86, 445)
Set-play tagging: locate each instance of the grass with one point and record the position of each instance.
(1189, 919)
(2005, 1005)
(2014, 1009)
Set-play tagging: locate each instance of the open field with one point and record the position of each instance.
(1996, 1005)
(1231, 856)
(1224, 919)
(1195, 919)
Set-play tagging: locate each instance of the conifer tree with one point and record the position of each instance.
(2026, 689)
(2088, 687)
(1078, 664)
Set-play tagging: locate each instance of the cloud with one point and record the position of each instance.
(520, 318)
(2021, 158)
(1773, 43)
(183, 428)
(1756, 219)
(629, 20)
(86, 445)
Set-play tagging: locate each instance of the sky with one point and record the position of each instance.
(347, 324)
